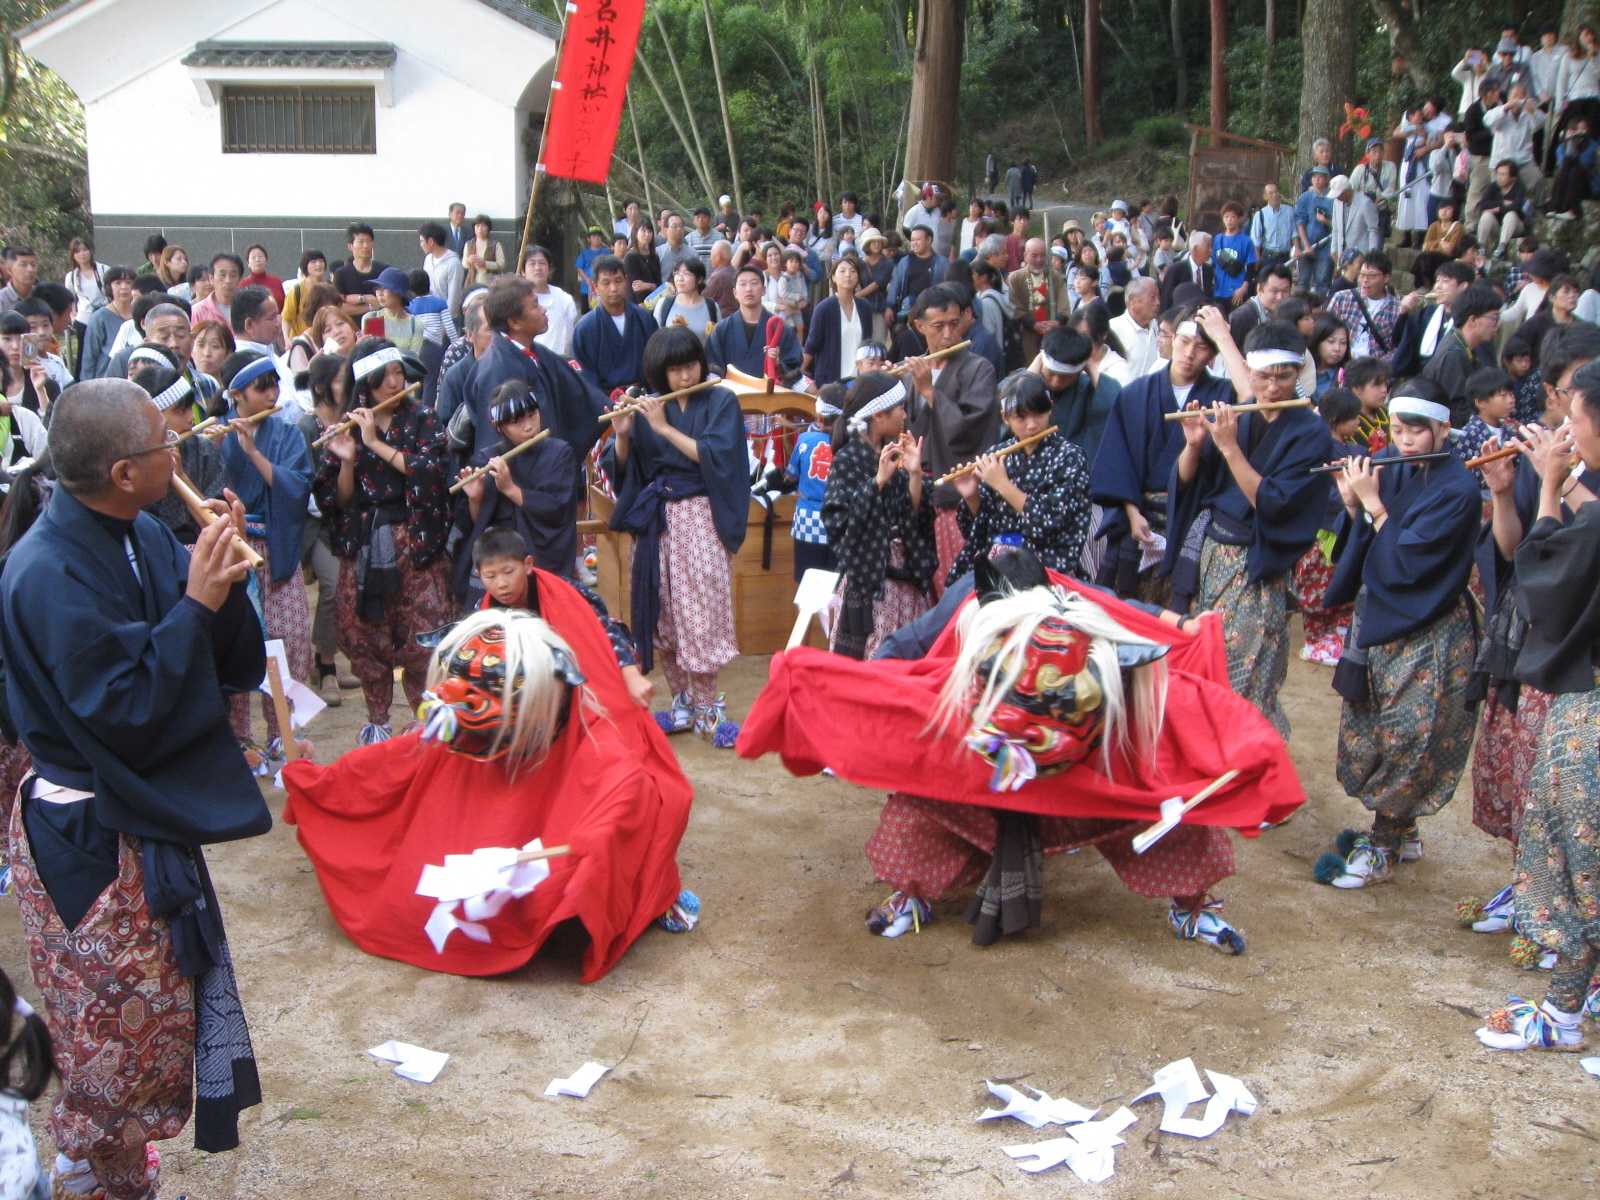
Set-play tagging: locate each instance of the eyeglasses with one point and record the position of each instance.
(167, 443)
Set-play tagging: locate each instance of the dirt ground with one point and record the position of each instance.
(779, 1050)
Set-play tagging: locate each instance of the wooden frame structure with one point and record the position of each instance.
(1219, 173)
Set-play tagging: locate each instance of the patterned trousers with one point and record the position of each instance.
(932, 847)
(425, 601)
(288, 617)
(1255, 627)
(121, 1016)
(948, 542)
(695, 635)
(1502, 761)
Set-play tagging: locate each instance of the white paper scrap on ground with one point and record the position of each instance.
(416, 1063)
(480, 884)
(1178, 1084)
(578, 1083)
(1091, 1166)
(1036, 1110)
(1591, 1065)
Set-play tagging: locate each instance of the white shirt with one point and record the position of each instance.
(967, 226)
(1114, 365)
(849, 339)
(1438, 325)
(561, 312)
(1513, 135)
(127, 338)
(1139, 341)
(89, 292)
(933, 221)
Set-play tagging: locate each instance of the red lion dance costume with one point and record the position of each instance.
(1046, 720)
(527, 734)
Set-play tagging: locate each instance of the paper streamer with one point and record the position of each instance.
(304, 704)
(479, 884)
(1178, 1084)
(1036, 1110)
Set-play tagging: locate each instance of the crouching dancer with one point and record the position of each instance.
(119, 645)
(1060, 718)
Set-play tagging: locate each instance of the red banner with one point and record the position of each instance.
(591, 83)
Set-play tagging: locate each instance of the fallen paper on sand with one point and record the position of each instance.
(1036, 1110)
(578, 1083)
(1591, 1065)
(1088, 1149)
(416, 1063)
(1178, 1084)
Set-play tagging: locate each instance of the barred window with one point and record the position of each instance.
(298, 120)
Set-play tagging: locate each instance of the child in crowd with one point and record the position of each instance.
(808, 466)
(681, 470)
(1161, 258)
(594, 249)
(393, 320)
(531, 493)
(1516, 356)
(269, 469)
(1494, 401)
(879, 521)
(27, 1064)
(793, 292)
(1324, 628)
(511, 579)
(1368, 380)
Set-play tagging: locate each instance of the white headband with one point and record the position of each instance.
(1260, 360)
(22, 1008)
(375, 361)
(1057, 367)
(1411, 406)
(893, 398)
(175, 393)
(149, 354)
(1188, 329)
(827, 412)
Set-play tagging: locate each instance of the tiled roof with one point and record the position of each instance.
(325, 55)
(525, 15)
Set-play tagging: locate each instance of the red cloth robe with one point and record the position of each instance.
(610, 786)
(867, 721)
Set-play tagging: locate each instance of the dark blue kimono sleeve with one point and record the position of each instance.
(1291, 502)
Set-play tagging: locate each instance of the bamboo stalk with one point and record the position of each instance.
(1022, 445)
(937, 354)
(480, 472)
(1388, 462)
(334, 431)
(205, 516)
(1194, 413)
(206, 424)
(633, 406)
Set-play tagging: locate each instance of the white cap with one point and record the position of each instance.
(1119, 206)
(1338, 185)
(724, 199)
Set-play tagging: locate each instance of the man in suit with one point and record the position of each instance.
(1469, 346)
(459, 233)
(1038, 296)
(1423, 331)
(953, 408)
(1194, 267)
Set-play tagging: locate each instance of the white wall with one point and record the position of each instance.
(453, 132)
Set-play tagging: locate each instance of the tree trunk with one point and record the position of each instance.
(1219, 68)
(1328, 77)
(1180, 74)
(689, 109)
(722, 100)
(1578, 12)
(1091, 72)
(935, 91)
(706, 186)
(1403, 32)
(1272, 23)
(644, 169)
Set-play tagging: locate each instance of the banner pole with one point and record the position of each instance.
(544, 132)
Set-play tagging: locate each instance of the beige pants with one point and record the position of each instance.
(1493, 231)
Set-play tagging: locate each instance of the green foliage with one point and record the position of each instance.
(43, 184)
(1160, 133)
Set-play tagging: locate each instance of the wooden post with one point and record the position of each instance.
(280, 706)
(1219, 68)
(1091, 72)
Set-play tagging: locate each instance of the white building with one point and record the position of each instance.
(220, 123)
